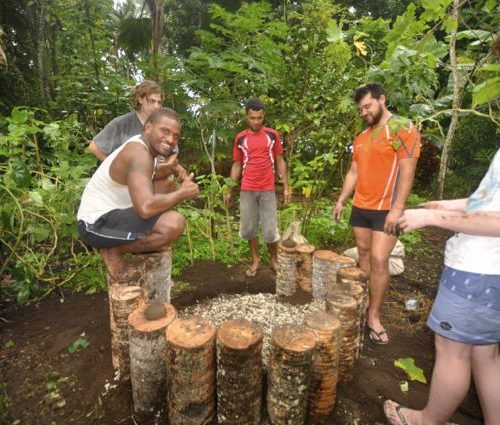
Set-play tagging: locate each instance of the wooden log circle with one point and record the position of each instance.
(191, 371)
(239, 373)
(323, 391)
(122, 301)
(304, 255)
(147, 357)
(347, 310)
(289, 374)
(323, 273)
(352, 273)
(286, 271)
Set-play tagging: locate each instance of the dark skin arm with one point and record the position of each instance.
(235, 174)
(134, 167)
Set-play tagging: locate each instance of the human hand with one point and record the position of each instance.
(337, 212)
(228, 198)
(181, 172)
(391, 221)
(287, 195)
(164, 168)
(190, 188)
(413, 219)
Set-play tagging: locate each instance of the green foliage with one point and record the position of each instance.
(81, 342)
(413, 371)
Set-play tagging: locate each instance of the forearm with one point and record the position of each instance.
(451, 204)
(159, 203)
(483, 223)
(281, 167)
(348, 186)
(235, 173)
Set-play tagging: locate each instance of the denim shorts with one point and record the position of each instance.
(259, 208)
(467, 307)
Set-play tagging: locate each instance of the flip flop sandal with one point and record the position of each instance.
(251, 272)
(398, 408)
(375, 336)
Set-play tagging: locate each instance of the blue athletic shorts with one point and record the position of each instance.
(467, 307)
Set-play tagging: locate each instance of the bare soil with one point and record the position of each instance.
(41, 382)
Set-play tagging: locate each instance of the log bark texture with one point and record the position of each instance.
(323, 391)
(346, 309)
(191, 366)
(122, 301)
(323, 271)
(289, 374)
(239, 373)
(286, 271)
(147, 357)
(304, 254)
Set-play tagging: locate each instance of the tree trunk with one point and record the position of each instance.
(286, 272)
(346, 308)
(456, 103)
(304, 266)
(323, 392)
(289, 376)
(147, 355)
(323, 269)
(239, 373)
(191, 372)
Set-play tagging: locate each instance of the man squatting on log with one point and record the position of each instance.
(125, 207)
(381, 175)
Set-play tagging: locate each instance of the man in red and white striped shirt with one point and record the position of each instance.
(257, 155)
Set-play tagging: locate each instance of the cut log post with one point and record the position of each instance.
(147, 325)
(304, 254)
(122, 301)
(347, 310)
(289, 375)
(239, 373)
(323, 391)
(340, 262)
(323, 271)
(355, 281)
(156, 280)
(286, 271)
(191, 372)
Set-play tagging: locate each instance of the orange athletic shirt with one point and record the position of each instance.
(376, 153)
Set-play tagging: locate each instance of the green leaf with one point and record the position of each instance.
(36, 198)
(21, 174)
(334, 32)
(487, 91)
(9, 344)
(404, 386)
(19, 116)
(414, 372)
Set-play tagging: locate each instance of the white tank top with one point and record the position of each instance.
(102, 194)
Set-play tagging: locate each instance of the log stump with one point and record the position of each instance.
(346, 309)
(340, 262)
(323, 271)
(286, 271)
(323, 391)
(289, 374)
(191, 372)
(304, 254)
(122, 301)
(239, 373)
(355, 281)
(147, 354)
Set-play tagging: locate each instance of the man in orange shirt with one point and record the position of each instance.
(381, 175)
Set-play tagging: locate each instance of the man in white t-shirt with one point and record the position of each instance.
(466, 312)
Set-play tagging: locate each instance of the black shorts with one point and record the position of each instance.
(370, 219)
(117, 227)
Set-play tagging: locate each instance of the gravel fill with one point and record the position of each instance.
(265, 310)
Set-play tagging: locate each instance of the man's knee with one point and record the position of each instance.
(379, 263)
(171, 225)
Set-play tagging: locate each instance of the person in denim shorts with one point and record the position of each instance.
(257, 154)
(466, 312)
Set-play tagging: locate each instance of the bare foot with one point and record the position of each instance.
(252, 270)
(399, 415)
(114, 262)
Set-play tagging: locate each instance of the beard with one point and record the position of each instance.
(374, 119)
